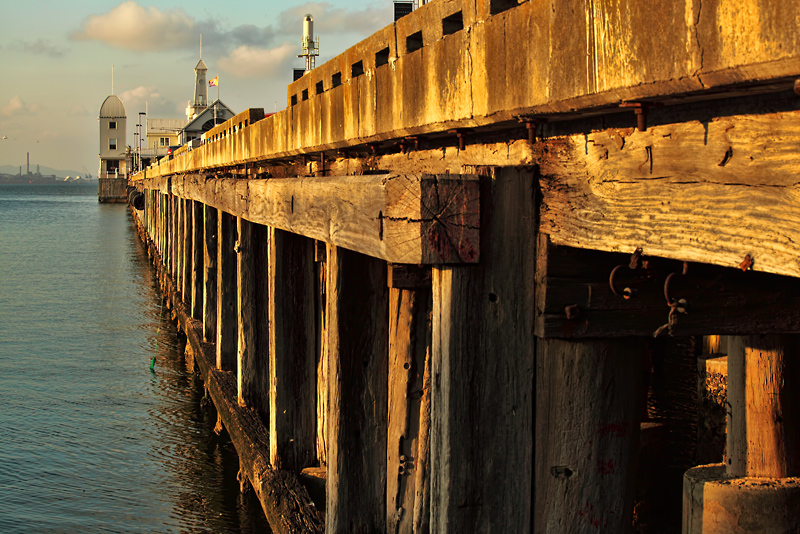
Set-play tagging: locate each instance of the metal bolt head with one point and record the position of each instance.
(572, 311)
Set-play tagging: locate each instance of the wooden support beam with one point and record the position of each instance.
(162, 228)
(158, 235)
(253, 301)
(574, 298)
(186, 247)
(589, 403)
(764, 406)
(197, 259)
(428, 219)
(321, 347)
(227, 315)
(482, 369)
(409, 348)
(357, 306)
(422, 463)
(292, 350)
(180, 243)
(210, 228)
(708, 192)
(247, 348)
(174, 240)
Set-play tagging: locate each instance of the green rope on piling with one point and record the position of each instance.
(153, 364)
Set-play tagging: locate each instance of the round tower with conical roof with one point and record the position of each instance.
(113, 138)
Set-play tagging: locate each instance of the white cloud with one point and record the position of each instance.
(133, 27)
(135, 99)
(252, 62)
(332, 20)
(16, 106)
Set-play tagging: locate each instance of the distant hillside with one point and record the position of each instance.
(47, 171)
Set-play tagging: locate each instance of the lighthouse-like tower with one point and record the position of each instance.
(113, 138)
(200, 101)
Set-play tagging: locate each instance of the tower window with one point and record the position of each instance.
(112, 144)
(112, 125)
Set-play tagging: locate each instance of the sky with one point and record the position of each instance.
(56, 61)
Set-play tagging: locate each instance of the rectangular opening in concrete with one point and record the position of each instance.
(320, 88)
(498, 6)
(357, 69)
(382, 57)
(294, 100)
(336, 79)
(305, 95)
(452, 24)
(414, 42)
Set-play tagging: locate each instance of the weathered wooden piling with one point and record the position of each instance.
(227, 311)
(293, 351)
(428, 282)
(210, 229)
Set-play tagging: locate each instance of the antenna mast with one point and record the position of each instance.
(310, 44)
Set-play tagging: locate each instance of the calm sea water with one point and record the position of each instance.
(90, 439)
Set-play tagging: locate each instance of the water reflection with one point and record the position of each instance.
(93, 441)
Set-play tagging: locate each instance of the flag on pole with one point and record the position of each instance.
(214, 82)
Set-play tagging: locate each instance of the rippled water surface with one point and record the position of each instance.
(92, 439)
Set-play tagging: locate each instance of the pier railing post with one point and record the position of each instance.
(227, 316)
(210, 228)
(357, 306)
(292, 419)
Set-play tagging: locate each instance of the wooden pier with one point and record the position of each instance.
(429, 296)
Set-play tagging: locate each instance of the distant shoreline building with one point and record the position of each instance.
(113, 139)
(112, 177)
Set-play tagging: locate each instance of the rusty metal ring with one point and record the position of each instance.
(669, 279)
(666, 287)
(611, 279)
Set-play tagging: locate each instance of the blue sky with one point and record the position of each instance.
(56, 60)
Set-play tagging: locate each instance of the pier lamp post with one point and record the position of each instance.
(136, 157)
(142, 134)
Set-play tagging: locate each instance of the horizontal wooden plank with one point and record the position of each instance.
(707, 192)
(418, 218)
(574, 297)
